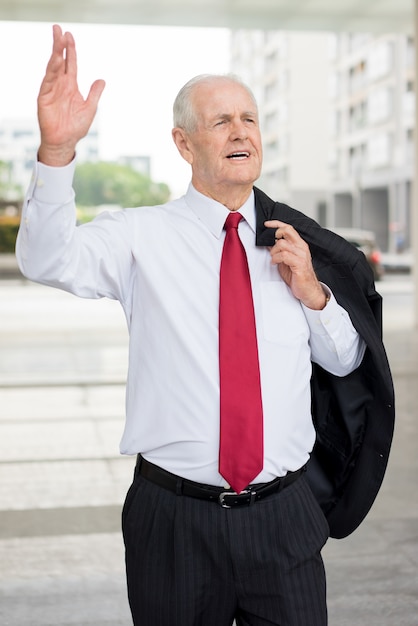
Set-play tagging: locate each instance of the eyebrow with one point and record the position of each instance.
(227, 116)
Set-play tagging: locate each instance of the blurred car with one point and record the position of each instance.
(364, 240)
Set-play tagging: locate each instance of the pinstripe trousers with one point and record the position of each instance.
(190, 562)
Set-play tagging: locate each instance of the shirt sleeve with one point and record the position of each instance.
(92, 260)
(335, 344)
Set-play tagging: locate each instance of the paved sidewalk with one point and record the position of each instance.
(62, 480)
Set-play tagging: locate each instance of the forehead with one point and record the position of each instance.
(221, 97)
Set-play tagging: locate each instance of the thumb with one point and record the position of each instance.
(95, 92)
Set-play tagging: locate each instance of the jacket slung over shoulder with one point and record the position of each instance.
(353, 415)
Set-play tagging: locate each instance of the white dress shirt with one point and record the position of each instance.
(162, 264)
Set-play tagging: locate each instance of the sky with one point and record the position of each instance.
(143, 66)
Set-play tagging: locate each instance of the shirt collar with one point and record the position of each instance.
(213, 214)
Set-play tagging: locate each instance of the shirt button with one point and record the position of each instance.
(40, 182)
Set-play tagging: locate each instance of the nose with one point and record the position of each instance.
(239, 130)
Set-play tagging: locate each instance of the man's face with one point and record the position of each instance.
(225, 150)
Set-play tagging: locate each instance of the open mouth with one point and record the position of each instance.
(238, 156)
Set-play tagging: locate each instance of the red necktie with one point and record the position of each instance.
(241, 434)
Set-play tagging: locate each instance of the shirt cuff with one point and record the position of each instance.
(52, 185)
(327, 320)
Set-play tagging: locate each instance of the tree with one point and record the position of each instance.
(109, 183)
(8, 189)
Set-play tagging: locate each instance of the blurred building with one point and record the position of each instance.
(139, 163)
(337, 117)
(19, 142)
(289, 74)
(372, 157)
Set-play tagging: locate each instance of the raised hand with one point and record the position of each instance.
(64, 115)
(292, 256)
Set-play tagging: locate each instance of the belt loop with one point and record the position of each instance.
(137, 465)
(179, 487)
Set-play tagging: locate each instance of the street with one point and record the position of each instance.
(397, 291)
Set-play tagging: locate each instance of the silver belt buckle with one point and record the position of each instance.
(222, 495)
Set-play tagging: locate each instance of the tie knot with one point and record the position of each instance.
(233, 220)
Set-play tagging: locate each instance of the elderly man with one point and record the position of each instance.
(254, 339)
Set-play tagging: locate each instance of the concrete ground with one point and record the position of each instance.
(62, 481)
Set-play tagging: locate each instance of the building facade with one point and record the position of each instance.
(372, 155)
(288, 73)
(337, 118)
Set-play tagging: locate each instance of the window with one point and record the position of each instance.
(380, 60)
(410, 52)
(333, 42)
(333, 85)
(271, 92)
(379, 150)
(356, 158)
(358, 115)
(380, 105)
(408, 99)
(283, 111)
(271, 62)
(270, 122)
(357, 76)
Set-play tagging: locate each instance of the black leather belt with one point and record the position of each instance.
(226, 498)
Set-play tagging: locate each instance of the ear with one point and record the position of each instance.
(181, 140)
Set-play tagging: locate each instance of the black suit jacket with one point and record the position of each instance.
(353, 415)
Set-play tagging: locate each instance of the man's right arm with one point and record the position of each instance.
(48, 219)
(93, 260)
(46, 249)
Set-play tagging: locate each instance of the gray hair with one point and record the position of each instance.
(184, 115)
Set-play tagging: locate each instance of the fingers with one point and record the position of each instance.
(64, 115)
(292, 256)
(70, 55)
(278, 235)
(274, 224)
(289, 247)
(63, 57)
(58, 45)
(56, 39)
(297, 256)
(57, 64)
(284, 231)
